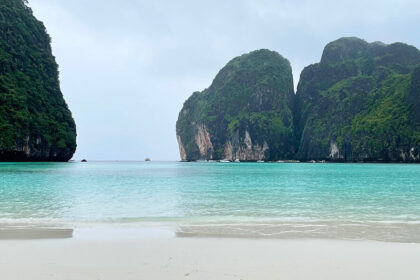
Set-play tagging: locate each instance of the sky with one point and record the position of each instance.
(126, 67)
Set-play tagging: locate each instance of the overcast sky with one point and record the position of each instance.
(127, 66)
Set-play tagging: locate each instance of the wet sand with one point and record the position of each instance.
(35, 233)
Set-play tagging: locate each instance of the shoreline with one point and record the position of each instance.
(165, 231)
(207, 258)
(299, 161)
(10, 233)
(215, 161)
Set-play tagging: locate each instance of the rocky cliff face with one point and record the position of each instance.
(352, 106)
(359, 103)
(245, 114)
(35, 122)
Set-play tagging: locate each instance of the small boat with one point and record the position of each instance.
(260, 161)
(224, 160)
(280, 161)
(237, 160)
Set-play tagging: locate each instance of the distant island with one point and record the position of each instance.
(360, 103)
(35, 122)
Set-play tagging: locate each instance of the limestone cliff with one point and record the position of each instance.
(357, 105)
(245, 114)
(35, 122)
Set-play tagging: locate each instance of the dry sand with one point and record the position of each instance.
(170, 258)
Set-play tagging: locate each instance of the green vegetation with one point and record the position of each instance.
(356, 97)
(251, 93)
(360, 103)
(35, 122)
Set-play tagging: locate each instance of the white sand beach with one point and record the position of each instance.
(206, 258)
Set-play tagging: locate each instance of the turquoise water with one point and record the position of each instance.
(278, 200)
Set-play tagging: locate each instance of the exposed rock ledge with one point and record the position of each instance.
(233, 150)
(202, 138)
(245, 151)
(181, 149)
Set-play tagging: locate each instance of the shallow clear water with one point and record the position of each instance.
(354, 201)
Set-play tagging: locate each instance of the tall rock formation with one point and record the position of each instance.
(246, 113)
(361, 102)
(35, 122)
(357, 104)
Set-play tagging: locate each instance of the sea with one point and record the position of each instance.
(349, 201)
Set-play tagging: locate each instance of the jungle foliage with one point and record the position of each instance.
(361, 102)
(35, 122)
